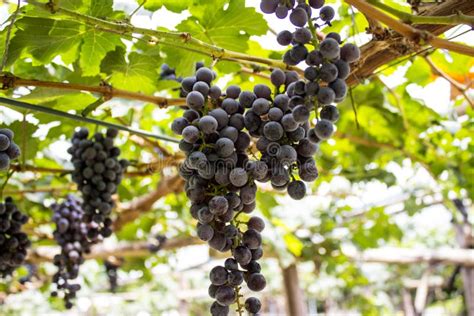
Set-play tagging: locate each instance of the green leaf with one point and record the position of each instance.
(230, 28)
(295, 246)
(138, 74)
(101, 8)
(23, 138)
(95, 47)
(177, 6)
(44, 39)
(419, 72)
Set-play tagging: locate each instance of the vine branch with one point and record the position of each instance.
(38, 108)
(408, 31)
(143, 169)
(177, 39)
(9, 81)
(453, 19)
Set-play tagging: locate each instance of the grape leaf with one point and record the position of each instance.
(139, 73)
(95, 46)
(44, 39)
(101, 8)
(177, 6)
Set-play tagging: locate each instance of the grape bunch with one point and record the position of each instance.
(324, 85)
(168, 73)
(111, 268)
(328, 63)
(219, 183)
(97, 172)
(8, 149)
(284, 138)
(71, 235)
(13, 242)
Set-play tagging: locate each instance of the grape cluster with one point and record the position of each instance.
(168, 73)
(281, 125)
(13, 242)
(97, 172)
(111, 269)
(328, 66)
(71, 235)
(220, 184)
(8, 149)
(328, 63)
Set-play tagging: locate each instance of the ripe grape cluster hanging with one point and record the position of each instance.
(13, 242)
(219, 184)
(8, 149)
(97, 172)
(71, 235)
(220, 129)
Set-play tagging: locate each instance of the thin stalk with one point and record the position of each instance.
(79, 118)
(2, 188)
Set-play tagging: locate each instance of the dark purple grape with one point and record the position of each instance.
(334, 36)
(316, 4)
(281, 11)
(273, 131)
(269, 6)
(324, 129)
(297, 190)
(256, 282)
(340, 88)
(284, 38)
(343, 68)
(218, 275)
(329, 48)
(225, 295)
(302, 36)
(262, 91)
(350, 53)
(195, 100)
(253, 304)
(326, 95)
(298, 17)
(208, 124)
(219, 310)
(329, 112)
(204, 74)
(278, 77)
(327, 13)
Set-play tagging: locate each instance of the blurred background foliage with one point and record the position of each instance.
(403, 152)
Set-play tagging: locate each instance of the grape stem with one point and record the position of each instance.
(79, 118)
(314, 35)
(9, 175)
(240, 309)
